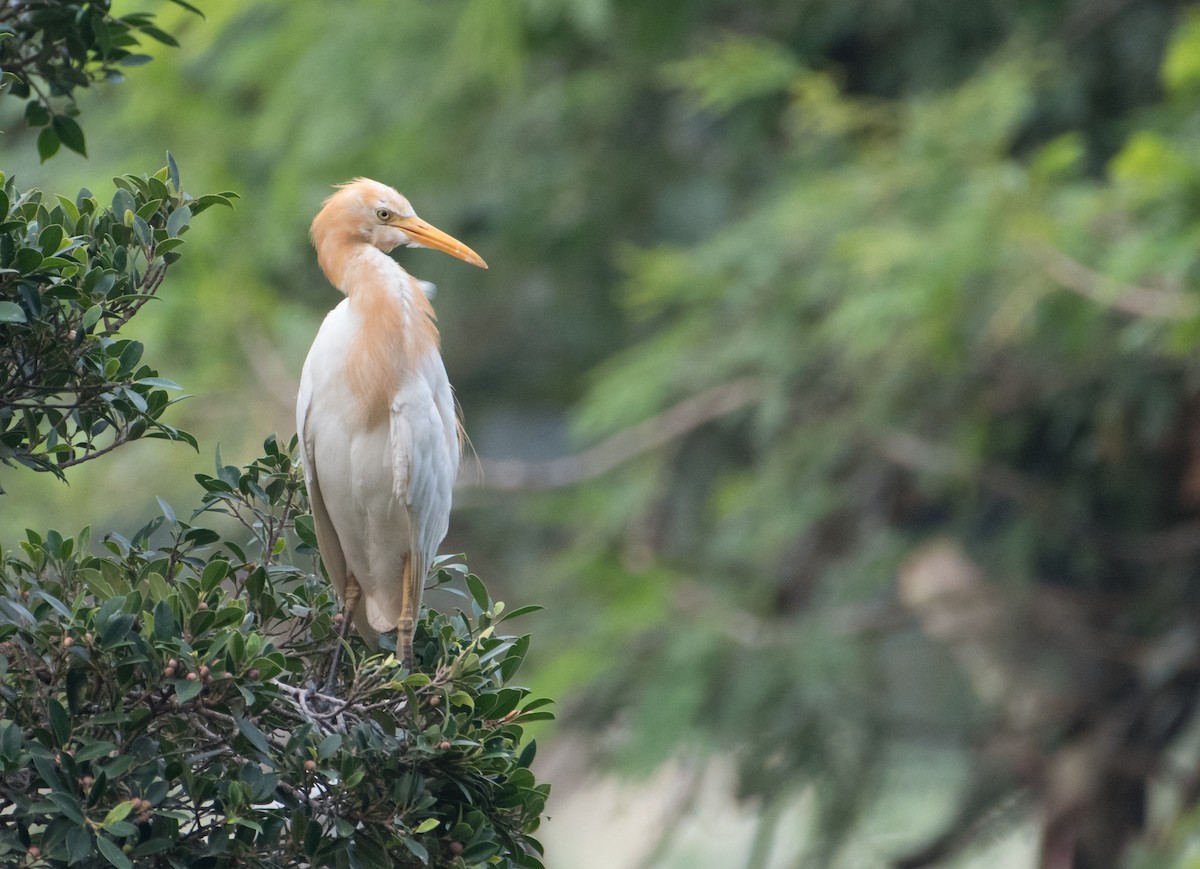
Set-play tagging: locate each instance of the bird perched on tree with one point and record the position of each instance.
(379, 433)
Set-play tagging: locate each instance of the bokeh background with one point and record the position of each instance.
(835, 385)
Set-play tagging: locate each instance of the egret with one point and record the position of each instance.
(380, 437)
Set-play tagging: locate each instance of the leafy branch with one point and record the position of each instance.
(73, 273)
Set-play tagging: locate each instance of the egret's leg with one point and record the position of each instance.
(353, 596)
(406, 625)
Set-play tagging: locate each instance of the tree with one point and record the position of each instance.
(73, 275)
(159, 708)
(957, 488)
(156, 698)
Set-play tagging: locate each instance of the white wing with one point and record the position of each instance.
(332, 555)
(425, 456)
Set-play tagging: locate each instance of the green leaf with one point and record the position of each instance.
(256, 737)
(186, 689)
(70, 133)
(36, 114)
(91, 316)
(93, 750)
(159, 35)
(166, 628)
(153, 846)
(119, 812)
(478, 852)
(189, 7)
(28, 260)
(50, 239)
(142, 229)
(426, 825)
(178, 221)
(329, 746)
(11, 739)
(520, 611)
(418, 850)
(60, 722)
(478, 592)
(158, 381)
(123, 202)
(68, 805)
(214, 574)
(527, 754)
(11, 312)
(79, 844)
(48, 143)
(113, 854)
(306, 531)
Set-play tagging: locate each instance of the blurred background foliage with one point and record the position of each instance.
(864, 336)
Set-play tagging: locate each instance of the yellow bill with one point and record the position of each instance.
(430, 236)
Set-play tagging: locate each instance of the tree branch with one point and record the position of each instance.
(1126, 298)
(514, 475)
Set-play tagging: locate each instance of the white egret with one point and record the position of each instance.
(380, 437)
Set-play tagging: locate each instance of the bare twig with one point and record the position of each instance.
(509, 475)
(1127, 298)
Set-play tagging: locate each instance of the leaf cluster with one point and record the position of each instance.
(73, 272)
(51, 48)
(158, 705)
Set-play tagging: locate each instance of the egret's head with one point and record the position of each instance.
(363, 211)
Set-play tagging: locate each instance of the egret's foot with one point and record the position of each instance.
(353, 595)
(335, 666)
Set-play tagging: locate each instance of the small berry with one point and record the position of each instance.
(173, 663)
(87, 781)
(68, 642)
(89, 638)
(253, 673)
(192, 677)
(443, 745)
(204, 671)
(338, 618)
(168, 672)
(310, 765)
(35, 851)
(456, 847)
(203, 605)
(435, 700)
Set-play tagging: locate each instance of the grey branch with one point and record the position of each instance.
(514, 475)
(1126, 298)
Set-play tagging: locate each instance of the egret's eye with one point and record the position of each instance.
(383, 214)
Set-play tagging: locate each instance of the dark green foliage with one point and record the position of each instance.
(965, 470)
(73, 272)
(51, 48)
(159, 706)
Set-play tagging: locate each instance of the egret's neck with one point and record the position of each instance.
(395, 326)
